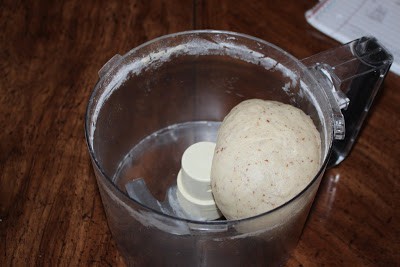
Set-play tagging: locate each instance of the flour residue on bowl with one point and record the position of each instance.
(195, 47)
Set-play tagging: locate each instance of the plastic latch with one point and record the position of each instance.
(342, 100)
(337, 99)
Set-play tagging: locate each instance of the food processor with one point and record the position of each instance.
(152, 103)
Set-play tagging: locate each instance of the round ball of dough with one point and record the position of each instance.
(266, 153)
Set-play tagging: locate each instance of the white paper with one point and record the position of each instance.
(346, 20)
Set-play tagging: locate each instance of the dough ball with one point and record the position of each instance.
(266, 153)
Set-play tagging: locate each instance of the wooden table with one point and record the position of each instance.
(50, 208)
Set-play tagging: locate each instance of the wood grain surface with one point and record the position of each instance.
(50, 208)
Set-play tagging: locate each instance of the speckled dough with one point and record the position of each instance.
(266, 153)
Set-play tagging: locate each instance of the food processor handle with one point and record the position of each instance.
(351, 76)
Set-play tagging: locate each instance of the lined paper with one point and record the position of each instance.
(346, 20)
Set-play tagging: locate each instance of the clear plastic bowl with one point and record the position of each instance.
(152, 103)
